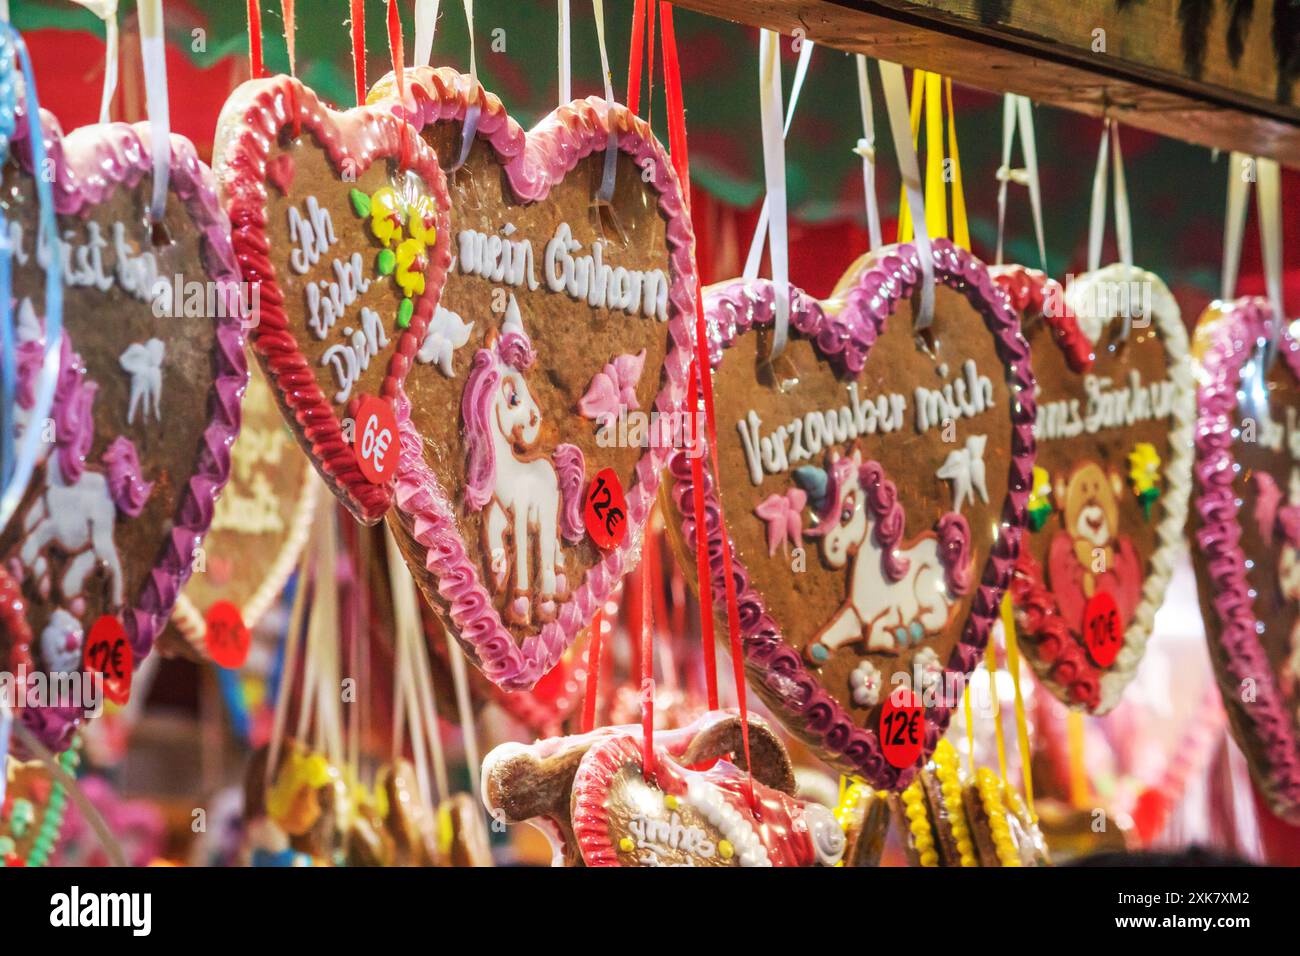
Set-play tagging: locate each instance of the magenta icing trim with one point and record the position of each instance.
(1231, 340)
(533, 162)
(845, 339)
(89, 165)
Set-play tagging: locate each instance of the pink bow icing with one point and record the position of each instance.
(784, 517)
(613, 387)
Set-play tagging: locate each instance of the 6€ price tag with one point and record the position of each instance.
(902, 728)
(604, 510)
(108, 652)
(375, 439)
(1102, 632)
(227, 639)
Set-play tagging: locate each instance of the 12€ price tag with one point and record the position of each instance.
(108, 652)
(604, 510)
(902, 728)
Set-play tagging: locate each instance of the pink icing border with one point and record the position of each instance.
(90, 163)
(846, 339)
(533, 162)
(1231, 340)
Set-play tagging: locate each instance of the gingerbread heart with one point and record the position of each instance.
(258, 529)
(1247, 531)
(873, 483)
(1112, 475)
(145, 410)
(683, 817)
(551, 376)
(340, 224)
(534, 783)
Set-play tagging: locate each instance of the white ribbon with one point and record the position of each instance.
(1019, 107)
(773, 213)
(1268, 201)
(755, 246)
(565, 43)
(426, 24)
(153, 54)
(900, 126)
(106, 10)
(470, 127)
(866, 148)
(1097, 219)
(606, 191)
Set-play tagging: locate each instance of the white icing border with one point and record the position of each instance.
(191, 623)
(1177, 471)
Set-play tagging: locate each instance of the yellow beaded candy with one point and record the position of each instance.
(947, 770)
(990, 790)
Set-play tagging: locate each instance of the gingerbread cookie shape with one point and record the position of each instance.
(146, 407)
(874, 485)
(684, 817)
(340, 224)
(1112, 477)
(1247, 531)
(534, 783)
(258, 529)
(552, 375)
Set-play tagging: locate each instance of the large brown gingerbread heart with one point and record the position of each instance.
(1112, 475)
(340, 225)
(873, 482)
(551, 373)
(1247, 534)
(146, 408)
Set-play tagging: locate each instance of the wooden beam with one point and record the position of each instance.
(1182, 69)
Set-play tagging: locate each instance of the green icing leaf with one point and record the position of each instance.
(360, 202)
(404, 314)
(386, 262)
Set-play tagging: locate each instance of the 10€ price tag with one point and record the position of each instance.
(227, 638)
(1102, 631)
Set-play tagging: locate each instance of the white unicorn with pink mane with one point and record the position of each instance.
(76, 514)
(900, 592)
(530, 500)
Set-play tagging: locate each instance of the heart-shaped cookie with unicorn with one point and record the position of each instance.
(1112, 476)
(545, 395)
(1246, 523)
(677, 816)
(146, 407)
(873, 486)
(340, 227)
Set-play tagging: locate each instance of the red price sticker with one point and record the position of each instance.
(902, 728)
(1102, 632)
(227, 639)
(375, 439)
(604, 510)
(108, 653)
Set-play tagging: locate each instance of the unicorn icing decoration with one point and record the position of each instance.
(530, 499)
(900, 592)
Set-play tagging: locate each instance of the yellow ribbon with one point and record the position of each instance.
(991, 663)
(932, 91)
(1022, 726)
(1079, 789)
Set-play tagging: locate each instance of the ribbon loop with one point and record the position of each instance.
(426, 25)
(866, 148)
(1018, 110)
(891, 77)
(153, 54)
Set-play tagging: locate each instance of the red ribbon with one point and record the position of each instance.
(647, 666)
(702, 544)
(359, 49)
(681, 163)
(255, 65)
(395, 49)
